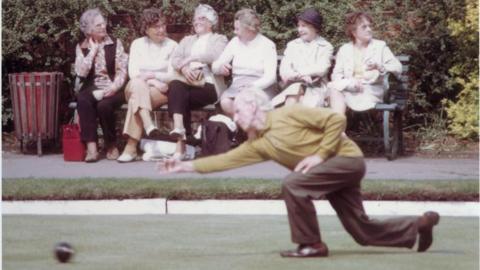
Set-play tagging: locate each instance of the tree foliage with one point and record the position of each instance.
(463, 113)
(41, 36)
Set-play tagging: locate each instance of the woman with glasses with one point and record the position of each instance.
(361, 64)
(196, 86)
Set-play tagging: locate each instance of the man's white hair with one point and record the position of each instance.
(255, 96)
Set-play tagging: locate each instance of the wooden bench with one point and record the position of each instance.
(392, 109)
(158, 113)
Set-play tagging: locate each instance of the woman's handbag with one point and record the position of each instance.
(73, 147)
(175, 75)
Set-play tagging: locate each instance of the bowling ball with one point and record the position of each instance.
(63, 252)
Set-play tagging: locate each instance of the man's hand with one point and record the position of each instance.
(173, 165)
(307, 163)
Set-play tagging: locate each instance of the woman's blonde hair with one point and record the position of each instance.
(249, 19)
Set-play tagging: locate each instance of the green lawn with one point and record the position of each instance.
(217, 242)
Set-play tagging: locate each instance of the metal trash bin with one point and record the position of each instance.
(35, 98)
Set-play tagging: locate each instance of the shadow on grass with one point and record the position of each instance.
(235, 254)
(340, 253)
(333, 253)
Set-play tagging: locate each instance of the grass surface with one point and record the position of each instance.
(217, 242)
(189, 189)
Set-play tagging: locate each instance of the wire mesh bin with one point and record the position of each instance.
(35, 98)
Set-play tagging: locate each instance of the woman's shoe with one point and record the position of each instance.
(126, 157)
(91, 157)
(178, 133)
(112, 153)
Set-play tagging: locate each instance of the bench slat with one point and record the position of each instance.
(73, 105)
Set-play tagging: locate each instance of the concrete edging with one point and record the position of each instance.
(224, 207)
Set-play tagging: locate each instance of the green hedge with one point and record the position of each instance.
(463, 112)
(41, 35)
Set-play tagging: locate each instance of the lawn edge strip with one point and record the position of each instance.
(222, 188)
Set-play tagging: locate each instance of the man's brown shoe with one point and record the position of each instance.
(306, 251)
(425, 229)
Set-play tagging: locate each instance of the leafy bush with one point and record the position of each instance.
(463, 113)
(41, 35)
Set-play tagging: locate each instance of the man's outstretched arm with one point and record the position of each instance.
(245, 154)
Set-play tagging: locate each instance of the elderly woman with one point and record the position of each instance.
(357, 79)
(148, 70)
(101, 63)
(304, 67)
(196, 85)
(250, 58)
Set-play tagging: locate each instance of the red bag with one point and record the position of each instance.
(73, 147)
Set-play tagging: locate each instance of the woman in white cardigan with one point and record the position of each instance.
(305, 64)
(148, 71)
(195, 86)
(249, 57)
(357, 79)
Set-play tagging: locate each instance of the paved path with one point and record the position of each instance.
(53, 166)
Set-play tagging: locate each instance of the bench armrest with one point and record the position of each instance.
(395, 88)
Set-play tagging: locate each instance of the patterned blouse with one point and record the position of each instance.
(102, 80)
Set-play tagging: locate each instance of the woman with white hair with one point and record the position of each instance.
(148, 70)
(196, 85)
(250, 58)
(101, 64)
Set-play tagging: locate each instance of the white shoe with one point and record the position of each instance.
(178, 133)
(125, 157)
